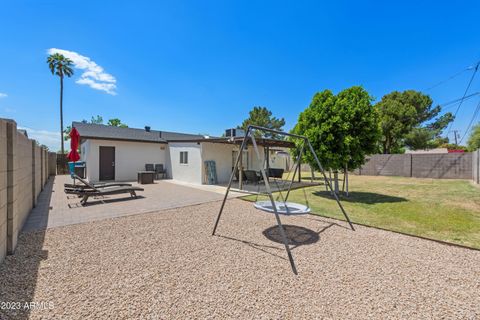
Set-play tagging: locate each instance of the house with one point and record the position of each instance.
(427, 151)
(114, 153)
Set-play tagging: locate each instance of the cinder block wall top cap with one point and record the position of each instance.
(9, 120)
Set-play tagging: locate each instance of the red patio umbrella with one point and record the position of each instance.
(74, 140)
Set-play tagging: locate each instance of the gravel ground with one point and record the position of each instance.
(167, 265)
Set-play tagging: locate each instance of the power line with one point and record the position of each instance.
(457, 100)
(474, 116)
(448, 79)
(464, 95)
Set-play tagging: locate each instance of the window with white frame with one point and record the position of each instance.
(183, 157)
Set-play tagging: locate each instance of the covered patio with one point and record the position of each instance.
(276, 185)
(279, 176)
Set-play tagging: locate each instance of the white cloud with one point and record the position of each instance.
(3, 95)
(94, 75)
(9, 110)
(49, 138)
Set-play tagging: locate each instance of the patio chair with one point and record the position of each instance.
(160, 170)
(237, 176)
(276, 173)
(71, 188)
(252, 176)
(149, 167)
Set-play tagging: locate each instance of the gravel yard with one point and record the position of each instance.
(167, 265)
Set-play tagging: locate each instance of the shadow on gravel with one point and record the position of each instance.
(19, 272)
(297, 236)
(362, 197)
(257, 246)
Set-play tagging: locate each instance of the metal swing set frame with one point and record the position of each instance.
(249, 135)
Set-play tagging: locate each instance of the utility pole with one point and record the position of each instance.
(456, 135)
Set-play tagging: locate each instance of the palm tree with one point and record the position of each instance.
(61, 66)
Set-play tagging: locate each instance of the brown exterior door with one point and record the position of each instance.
(107, 163)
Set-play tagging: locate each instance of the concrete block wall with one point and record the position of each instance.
(23, 173)
(476, 166)
(38, 173)
(52, 163)
(3, 189)
(442, 166)
(437, 165)
(12, 186)
(23, 177)
(388, 165)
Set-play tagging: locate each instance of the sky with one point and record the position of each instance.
(200, 66)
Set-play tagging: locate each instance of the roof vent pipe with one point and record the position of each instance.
(147, 128)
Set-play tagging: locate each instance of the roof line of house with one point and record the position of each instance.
(121, 139)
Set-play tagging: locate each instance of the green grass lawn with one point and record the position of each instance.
(440, 209)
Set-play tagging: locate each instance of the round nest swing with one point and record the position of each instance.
(286, 208)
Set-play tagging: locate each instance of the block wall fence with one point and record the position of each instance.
(476, 166)
(24, 171)
(434, 165)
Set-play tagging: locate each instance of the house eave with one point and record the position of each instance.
(121, 139)
(260, 141)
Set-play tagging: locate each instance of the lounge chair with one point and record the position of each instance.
(106, 192)
(90, 186)
(102, 190)
(160, 170)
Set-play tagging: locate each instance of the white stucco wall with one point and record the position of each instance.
(222, 155)
(130, 157)
(279, 161)
(191, 172)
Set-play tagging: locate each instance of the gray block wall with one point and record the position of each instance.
(22, 176)
(439, 165)
(442, 166)
(3, 189)
(476, 166)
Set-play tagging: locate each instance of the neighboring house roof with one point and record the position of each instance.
(437, 150)
(100, 131)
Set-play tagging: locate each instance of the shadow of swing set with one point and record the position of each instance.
(279, 207)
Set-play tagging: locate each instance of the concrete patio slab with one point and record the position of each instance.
(55, 208)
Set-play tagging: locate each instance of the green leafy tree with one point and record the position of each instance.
(116, 123)
(419, 138)
(96, 120)
(61, 66)
(474, 138)
(342, 129)
(408, 119)
(261, 116)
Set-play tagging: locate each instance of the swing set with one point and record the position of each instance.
(279, 206)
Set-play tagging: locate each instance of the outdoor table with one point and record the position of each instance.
(145, 177)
